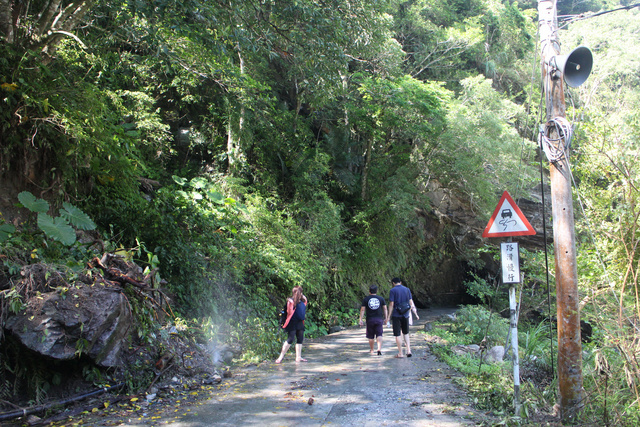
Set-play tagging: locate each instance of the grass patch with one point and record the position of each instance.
(491, 385)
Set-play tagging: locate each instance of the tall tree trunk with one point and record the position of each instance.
(46, 18)
(6, 20)
(54, 21)
(365, 169)
(234, 153)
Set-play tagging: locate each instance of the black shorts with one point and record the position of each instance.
(374, 327)
(400, 324)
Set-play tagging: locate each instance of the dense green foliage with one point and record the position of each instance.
(606, 172)
(314, 128)
(247, 147)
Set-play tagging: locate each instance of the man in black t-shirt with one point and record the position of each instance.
(376, 309)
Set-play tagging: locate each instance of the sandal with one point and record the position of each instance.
(399, 356)
(302, 360)
(379, 353)
(409, 355)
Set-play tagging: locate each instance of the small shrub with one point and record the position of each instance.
(314, 330)
(260, 339)
(480, 288)
(477, 322)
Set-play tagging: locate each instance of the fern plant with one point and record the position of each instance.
(58, 228)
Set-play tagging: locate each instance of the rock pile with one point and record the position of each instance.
(68, 314)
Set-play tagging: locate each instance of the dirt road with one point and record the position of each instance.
(340, 385)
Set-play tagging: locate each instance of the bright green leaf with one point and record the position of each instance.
(57, 229)
(76, 217)
(178, 180)
(198, 183)
(215, 197)
(30, 202)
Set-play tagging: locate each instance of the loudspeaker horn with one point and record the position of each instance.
(576, 66)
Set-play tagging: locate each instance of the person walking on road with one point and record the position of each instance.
(400, 305)
(376, 310)
(294, 323)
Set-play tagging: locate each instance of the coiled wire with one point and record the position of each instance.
(555, 149)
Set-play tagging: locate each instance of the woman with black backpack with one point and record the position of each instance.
(294, 323)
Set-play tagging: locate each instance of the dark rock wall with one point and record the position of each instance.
(453, 235)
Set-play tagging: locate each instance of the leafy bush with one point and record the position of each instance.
(260, 338)
(313, 329)
(476, 323)
(480, 288)
(491, 385)
(607, 371)
(535, 342)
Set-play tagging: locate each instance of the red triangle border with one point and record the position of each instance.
(530, 231)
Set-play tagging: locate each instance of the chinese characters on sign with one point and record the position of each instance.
(510, 262)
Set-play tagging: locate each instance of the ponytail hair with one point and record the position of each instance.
(296, 295)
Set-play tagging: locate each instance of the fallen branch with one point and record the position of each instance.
(115, 275)
(159, 374)
(42, 408)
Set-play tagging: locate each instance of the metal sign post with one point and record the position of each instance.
(510, 256)
(507, 221)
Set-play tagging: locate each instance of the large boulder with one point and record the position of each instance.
(92, 320)
(495, 354)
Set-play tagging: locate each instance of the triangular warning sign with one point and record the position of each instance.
(508, 220)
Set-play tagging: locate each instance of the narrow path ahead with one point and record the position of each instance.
(340, 385)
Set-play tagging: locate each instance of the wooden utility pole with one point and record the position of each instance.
(569, 342)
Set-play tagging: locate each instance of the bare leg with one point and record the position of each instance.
(399, 343)
(285, 348)
(299, 353)
(408, 344)
(371, 346)
(379, 344)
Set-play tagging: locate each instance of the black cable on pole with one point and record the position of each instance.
(568, 19)
(546, 260)
(544, 97)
